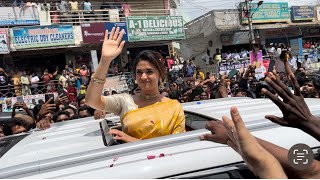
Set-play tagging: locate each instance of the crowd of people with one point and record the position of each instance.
(70, 11)
(157, 111)
(23, 82)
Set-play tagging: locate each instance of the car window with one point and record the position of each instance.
(8, 142)
(196, 121)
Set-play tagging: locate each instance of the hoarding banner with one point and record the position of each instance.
(16, 16)
(4, 43)
(30, 100)
(230, 65)
(155, 28)
(122, 25)
(266, 13)
(93, 33)
(302, 13)
(43, 36)
(257, 60)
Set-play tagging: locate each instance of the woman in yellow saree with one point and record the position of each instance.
(146, 114)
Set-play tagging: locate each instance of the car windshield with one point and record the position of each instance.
(8, 142)
(196, 121)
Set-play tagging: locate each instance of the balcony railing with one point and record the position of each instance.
(103, 15)
(38, 88)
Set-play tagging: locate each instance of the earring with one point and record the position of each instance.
(135, 81)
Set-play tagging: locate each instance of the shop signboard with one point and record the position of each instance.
(93, 33)
(302, 13)
(155, 28)
(17, 16)
(4, 43)
(266, 13)
(43, 36)
(296, 47)
(121, 25)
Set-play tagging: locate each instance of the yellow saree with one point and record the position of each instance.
(160, 119)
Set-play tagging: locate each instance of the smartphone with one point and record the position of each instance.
(20, 99)
(62, 93)
(48, 96)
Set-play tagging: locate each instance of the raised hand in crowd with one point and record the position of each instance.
(219, 134)
(99, 114)
(61, 100)
(295, 110)
(42, 121)
(259, 160)
(23, 106)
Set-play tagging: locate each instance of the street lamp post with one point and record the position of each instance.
(249, 16)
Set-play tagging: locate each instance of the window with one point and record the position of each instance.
(8, 142)
(195, 121)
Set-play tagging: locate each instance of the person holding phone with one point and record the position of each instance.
(21, 105)
(146, 114)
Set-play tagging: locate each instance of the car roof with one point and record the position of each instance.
(252, 111)
(74, 149)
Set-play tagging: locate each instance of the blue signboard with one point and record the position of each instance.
(15, 16)
(302, 13)
(122, 25)
(296, 47)
(43, 36)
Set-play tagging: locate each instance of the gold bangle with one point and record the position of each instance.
(97, 81)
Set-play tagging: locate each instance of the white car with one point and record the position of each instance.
(75, 149)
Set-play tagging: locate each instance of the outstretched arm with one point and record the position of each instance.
(112, 47)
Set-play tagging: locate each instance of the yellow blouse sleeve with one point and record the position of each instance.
(180, 125)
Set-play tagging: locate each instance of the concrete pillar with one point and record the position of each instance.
(94, 59)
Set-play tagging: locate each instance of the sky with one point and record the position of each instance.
(192, 9)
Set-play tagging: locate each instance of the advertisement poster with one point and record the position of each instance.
(122, 25)
(4, 43)
(16, 16)
(43, 36)
(257, 60)
(155, 28)
(30, 100)
(226, 67)
(93, 33)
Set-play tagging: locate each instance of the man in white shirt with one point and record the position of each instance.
(34, 83)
